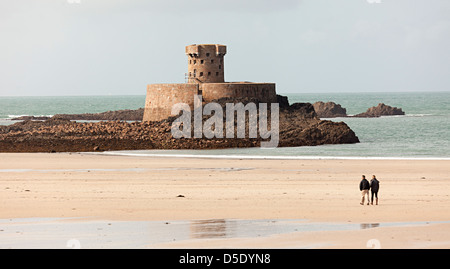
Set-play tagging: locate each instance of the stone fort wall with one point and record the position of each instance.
(161, 97)
(206, 78)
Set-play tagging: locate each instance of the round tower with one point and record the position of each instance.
(205, 63)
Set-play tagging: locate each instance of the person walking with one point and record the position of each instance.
(364, 187)
(374, 187)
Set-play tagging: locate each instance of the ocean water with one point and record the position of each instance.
(424, 132)
(11, 107)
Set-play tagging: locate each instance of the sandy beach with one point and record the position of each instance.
(125, 188)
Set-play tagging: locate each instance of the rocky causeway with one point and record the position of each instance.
(299, 125)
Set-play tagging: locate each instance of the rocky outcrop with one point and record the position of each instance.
(329, 110)
(283, 101)
(126, 114)
(299, 126)
(333, 110)
(380, 110)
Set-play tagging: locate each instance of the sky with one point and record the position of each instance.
(117, 47)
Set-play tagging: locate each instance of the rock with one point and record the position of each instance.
(126, 115)
(380, 110)
(305, 110)
(329, 110)
(31, 118)
(283, 101)
(299, 126)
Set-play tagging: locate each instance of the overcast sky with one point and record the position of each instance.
(98, 47)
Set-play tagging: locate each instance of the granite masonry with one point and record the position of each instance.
(205, 77)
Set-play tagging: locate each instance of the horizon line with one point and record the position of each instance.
(309, 92)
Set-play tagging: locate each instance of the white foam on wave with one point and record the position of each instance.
(284, 157)
(352, 116)
(418, 115)
(17, 116)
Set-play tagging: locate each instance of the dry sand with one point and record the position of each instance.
(147, 188)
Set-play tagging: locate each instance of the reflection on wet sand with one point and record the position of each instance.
(226, 228)
(213, 228)
(369, 225)
(58, 232)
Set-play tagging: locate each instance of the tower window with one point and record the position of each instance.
(201, 61)
(209, 73)
(217, 73)
(207, 54)
(201, 74)
(220, 67)
(195, 61)
(212, 61)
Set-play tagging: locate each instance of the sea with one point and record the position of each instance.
(422, 133)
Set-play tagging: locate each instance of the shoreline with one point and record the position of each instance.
(136, 188)
(94, 233)
(262, 157)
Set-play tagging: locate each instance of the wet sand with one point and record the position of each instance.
(121, 188)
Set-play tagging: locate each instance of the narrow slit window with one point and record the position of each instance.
(209, 73)
(217, 73)
(220, 67)
(212, 61)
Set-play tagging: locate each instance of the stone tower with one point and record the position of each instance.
(205, 78)
(205, 63)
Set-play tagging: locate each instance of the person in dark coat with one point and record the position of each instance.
(364, 187)
(374, 187)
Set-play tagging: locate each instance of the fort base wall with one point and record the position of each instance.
(161, 97)
(264, 92)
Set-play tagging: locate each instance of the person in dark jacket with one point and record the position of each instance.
(374, 187)
(364, 187)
